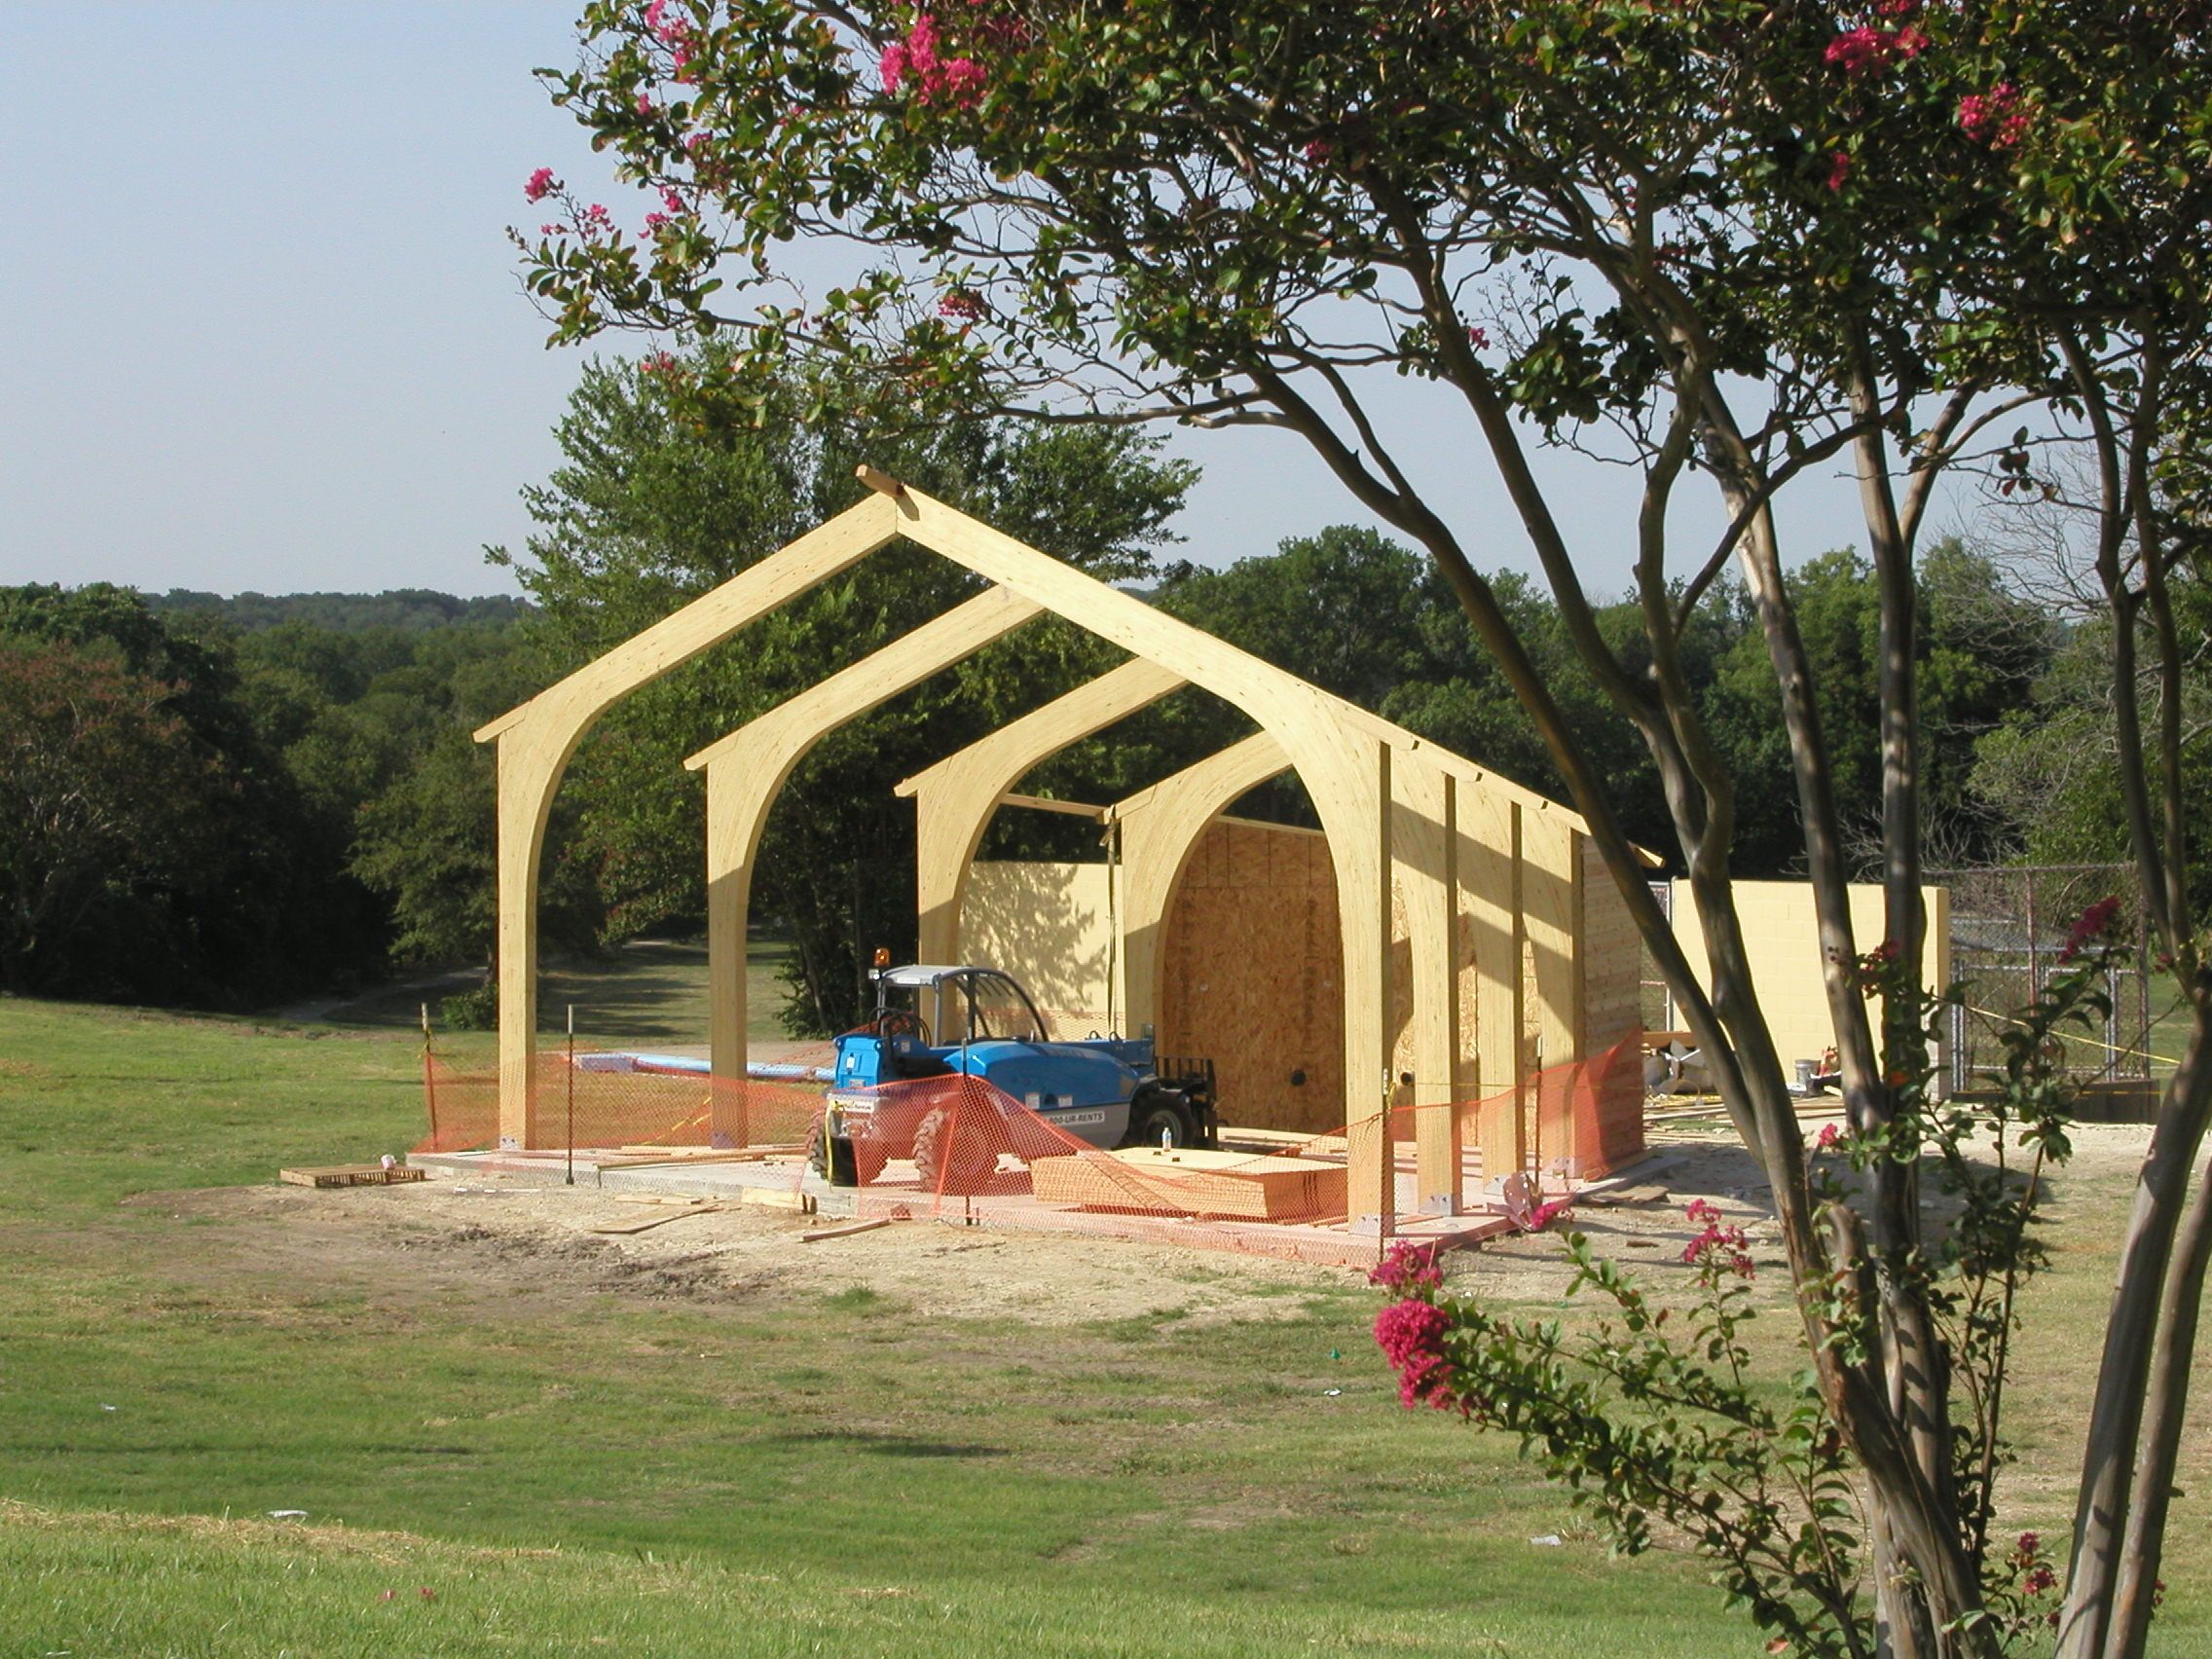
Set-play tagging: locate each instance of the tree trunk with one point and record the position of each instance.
(2101, 1513)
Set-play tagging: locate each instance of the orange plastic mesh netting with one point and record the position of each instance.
(617, 1106)
(955, 1144)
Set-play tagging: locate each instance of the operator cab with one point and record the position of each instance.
(946, 1006)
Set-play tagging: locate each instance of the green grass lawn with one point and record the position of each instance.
(751, 1475)
(648, 990)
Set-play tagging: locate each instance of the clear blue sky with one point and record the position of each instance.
(260, 326)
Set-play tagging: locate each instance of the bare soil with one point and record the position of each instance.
(495, 1239)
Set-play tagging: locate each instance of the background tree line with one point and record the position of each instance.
(229, 802)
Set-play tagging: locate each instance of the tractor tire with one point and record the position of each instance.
(1158, 1112)
(832, 1160)
(950, 1161)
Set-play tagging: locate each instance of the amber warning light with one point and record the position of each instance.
(882, 957)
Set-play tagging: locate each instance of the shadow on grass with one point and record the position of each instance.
(881, 1445)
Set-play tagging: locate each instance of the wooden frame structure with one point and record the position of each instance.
(1482, 869)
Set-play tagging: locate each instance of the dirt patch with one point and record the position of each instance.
(494, 1240)
(487, 1239)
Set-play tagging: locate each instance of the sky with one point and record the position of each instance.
(261, 328)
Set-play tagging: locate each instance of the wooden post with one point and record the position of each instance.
(1363, 887)
(1424, 857)
(429, 1079)
(1490, 866)
(1551, 898)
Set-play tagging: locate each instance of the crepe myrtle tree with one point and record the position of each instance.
(1733, 244)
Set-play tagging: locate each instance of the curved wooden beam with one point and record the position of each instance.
(1160, 827)
(746, 769)
(1343, 760)
(536, 739)
(955, 799)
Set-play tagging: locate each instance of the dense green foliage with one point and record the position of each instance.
(335, 763)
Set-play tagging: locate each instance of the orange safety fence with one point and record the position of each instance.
(956, 1144)
(587, 1105)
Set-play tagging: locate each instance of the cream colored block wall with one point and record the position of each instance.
(1783, 941)
(1051, 926)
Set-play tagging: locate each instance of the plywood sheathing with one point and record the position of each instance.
(1161, 828)
(1248, 976)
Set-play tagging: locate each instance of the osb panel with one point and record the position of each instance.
(1049, 926)
(1612, 958)
(1612, 1012)
(1252, 975)
(1399, 1032)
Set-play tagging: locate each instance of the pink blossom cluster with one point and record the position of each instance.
(962, 302)
(1839, 170)
(595, 220)
(658, 363)
(1411, 1335)
(1830, 1135)
(2096, 921)
(1860, 51)
(542, 184)
(1478, 338)
(1717, 1240)
(674, 33)
(937, 79)
(1408, 1269)
(1993, 118)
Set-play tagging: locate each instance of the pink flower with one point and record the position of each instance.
(1408, 1266)
(2096, 921)
(1829, 1135)
(670, 200)
(1411, 1335)
(1701, 1210)
(1858, 51)
(658, 363)
(1993, 118)
(595, 218)
(955, 81)
(961, 302)
(541, 185)
(1839, 170)
(1478, 338)
(645, 105)
(960, 84)
(552, 230)
(654, 221)
(2030, 1543)
(1317, 151)
(1718, 1241)
(668, 30)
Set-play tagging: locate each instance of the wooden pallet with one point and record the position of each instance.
(1186, 1182)
(352, 1175)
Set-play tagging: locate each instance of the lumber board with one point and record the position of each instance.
(814, 1236)
(652, 1221)
(1192, 1183)
(780, 1199)
(664, 1158)
(329, 1175)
